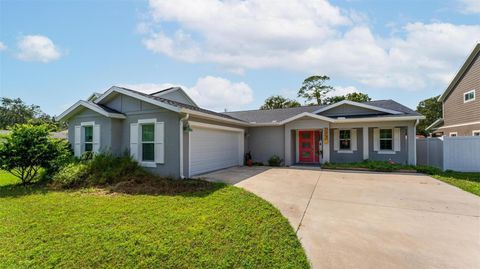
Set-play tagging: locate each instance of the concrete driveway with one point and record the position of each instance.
(370, 220)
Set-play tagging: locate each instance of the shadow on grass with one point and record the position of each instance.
(146, 185)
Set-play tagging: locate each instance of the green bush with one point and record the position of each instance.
(28, 150)
(275, 161)
(71, 175)
(100, 169)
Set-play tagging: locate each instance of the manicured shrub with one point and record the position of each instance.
(275, 161)
(28, 149)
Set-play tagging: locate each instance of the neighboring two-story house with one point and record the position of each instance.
(461, 103)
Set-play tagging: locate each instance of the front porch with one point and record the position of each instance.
(314, 141)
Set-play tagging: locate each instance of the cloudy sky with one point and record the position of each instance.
(232, 54)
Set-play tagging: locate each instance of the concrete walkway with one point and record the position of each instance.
(371, 220)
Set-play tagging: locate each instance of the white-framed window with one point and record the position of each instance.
(386, 139)
(345, 140)
(476, 132)
(148, 142)
(469, 96)
(88, 138)
(453, 134)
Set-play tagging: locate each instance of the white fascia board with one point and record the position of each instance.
(214, 126)
(304, 114)
(434, 124)
(307, 114)
(460, 124)
(177, 89)
(92, 107)
(380, 119)
(136, 96)
(347, 102)
(213, 117)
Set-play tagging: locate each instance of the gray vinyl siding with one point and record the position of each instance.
(399, 157)
(117, 137)
(177, 96)
(115, 133)
(355, 156)
(264, 142)
(349, 110)
(87, 116)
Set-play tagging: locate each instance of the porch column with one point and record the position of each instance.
(365, 143)
(288, 146)
(412, 144)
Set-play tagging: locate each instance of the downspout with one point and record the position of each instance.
(182, 120)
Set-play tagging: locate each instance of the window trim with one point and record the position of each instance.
(140, 122)
(475, 131)
(469, 100)
(340, 150)
(453, 134)
(385, 151)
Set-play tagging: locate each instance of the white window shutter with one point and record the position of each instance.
(96, 138)
(376, 139)
(77, 141)
(353, 136)
(134, 140)
(396, 139)
(336, 139)
(159, 142)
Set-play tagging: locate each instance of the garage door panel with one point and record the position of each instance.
(213, 149)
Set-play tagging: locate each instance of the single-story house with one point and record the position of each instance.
(169, 134)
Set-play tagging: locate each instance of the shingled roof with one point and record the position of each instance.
(182, 105)
(277, 115)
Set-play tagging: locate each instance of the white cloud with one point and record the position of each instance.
(37, 48)
(308, 36)
(2, 46)
(470, 6)
(214, 93)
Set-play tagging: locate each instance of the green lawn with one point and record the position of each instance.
(466, 181)
(7, 178)
(225, 227)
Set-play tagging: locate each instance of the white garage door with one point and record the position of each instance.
(213, 149)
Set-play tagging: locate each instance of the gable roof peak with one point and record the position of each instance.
(468, 62)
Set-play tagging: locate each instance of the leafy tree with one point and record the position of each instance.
(354, 96)
(278, 101)
(314, 88)
(358, 97)
(333, 99)
(15, 111)
(431, 108)
(28, 149)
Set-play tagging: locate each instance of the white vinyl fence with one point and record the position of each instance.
(459, 153)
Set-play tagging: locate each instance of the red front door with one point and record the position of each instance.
(306, 146)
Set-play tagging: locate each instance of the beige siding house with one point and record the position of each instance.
(461, 101)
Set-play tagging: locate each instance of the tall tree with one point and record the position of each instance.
(15, 111)
(431, 108)
(278, 101)
(314, 88)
